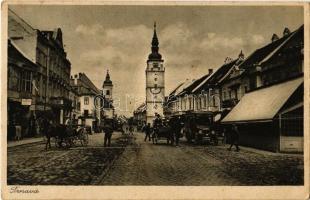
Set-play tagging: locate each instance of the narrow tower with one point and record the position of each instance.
(107, 89)
(155, 81)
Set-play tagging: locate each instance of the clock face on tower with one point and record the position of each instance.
(155, 90)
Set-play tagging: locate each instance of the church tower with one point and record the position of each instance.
(107, 88)
(155, 82)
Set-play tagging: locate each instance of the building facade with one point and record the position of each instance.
(88, 105)
(155, 82)
(45, 90)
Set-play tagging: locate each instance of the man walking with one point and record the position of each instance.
(108, 130)
(234, 137)
(177, 128)
(147, 130)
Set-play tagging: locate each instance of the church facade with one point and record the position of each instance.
(155, 81)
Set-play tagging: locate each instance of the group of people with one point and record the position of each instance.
(175, 125)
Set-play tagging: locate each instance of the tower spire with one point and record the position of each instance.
(155, 55)
(107, 80)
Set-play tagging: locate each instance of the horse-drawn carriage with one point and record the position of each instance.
(161, 131)
(66, 135)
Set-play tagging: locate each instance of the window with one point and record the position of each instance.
(155, 65)
(155, 79)
(86, 113)
(292, 123)
(205, 101)
(86, 100)
(14, 79)
(108, 92)
(26, 81)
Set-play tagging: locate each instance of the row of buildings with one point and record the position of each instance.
(40, 82)
(262, 94)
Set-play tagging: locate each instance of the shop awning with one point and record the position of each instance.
(262, 104)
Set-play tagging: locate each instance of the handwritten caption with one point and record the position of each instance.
(18, 189)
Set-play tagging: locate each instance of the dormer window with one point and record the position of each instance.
(286, 32)
(274, 37)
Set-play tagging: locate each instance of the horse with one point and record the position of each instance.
(58, 131)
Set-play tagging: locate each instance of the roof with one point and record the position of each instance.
(86, 85)
(221, 72)
(185, 84)
(194, 84)
(23, 53)
(263, 104)
(22, 36)
(175, 89)
(260, 54)
(295, 39)
(140, 108)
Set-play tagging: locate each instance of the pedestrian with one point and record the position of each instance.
(178, 128)
(147, 130)
(234, 138)
(130, 129)
(108, 131)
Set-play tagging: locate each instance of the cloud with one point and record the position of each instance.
(89, 30)
(258, 39)
(187, 54)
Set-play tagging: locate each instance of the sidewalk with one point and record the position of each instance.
(25, 141)
(261, 151)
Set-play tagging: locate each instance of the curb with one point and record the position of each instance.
(27, 143)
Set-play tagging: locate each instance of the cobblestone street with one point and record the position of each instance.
(149, 164)
(143, 163)
(31, 164)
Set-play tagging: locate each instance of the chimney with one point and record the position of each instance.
(286, 32)
(210, 71)
(241, 56)
(227, 60)
(275, 37)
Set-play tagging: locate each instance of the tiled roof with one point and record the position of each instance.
(175, 89)
(257, 56)
(295, 40)
(194, 84)
(221, 72)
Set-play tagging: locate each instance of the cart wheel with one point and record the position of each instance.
(57, 142)
(68, 142)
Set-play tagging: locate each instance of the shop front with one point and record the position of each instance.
(271, 118)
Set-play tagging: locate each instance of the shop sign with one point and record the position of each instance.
(26, 102)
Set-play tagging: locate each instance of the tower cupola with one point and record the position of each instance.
(107, 80)
(155, 55)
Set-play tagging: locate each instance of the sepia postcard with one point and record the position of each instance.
(155, 100)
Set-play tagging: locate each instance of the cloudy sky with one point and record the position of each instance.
(191, 39)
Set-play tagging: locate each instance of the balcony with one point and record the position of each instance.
(229, 103)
